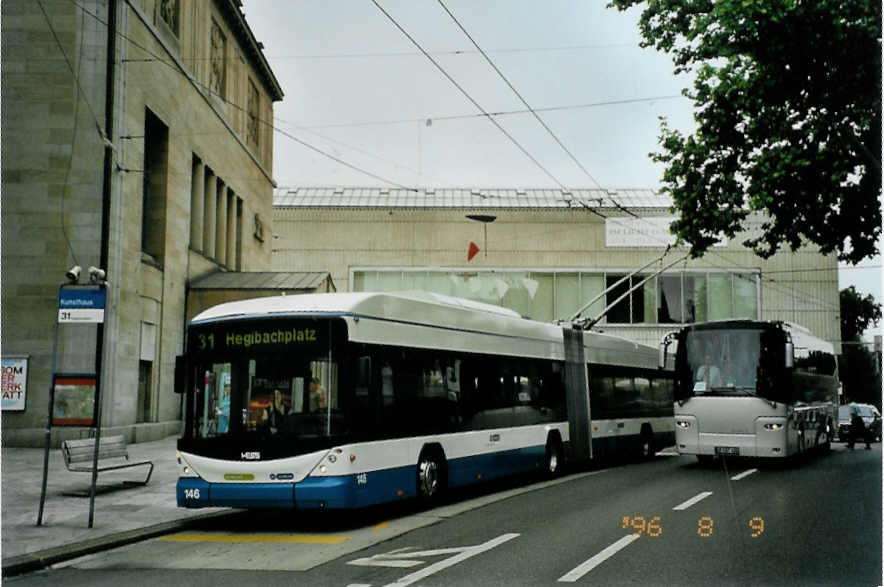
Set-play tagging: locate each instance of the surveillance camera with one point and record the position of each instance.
(73, 273)
(96, 275)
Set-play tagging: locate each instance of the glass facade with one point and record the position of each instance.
(670, 298)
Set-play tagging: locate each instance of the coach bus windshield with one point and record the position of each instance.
(264, 380)
(725, 362)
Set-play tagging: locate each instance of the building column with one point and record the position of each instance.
(232, 228)
(211, 190)
(197, 194)
(221, 224)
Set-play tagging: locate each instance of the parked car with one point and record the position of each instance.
(870, 415)
(875, 425)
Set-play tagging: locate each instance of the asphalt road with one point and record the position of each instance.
(666, 522)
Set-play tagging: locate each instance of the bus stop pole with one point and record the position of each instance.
(99, 348)
(49, 417)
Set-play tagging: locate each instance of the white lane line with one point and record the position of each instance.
(743, 475)
(583, 568)
(667, 453)
(453, 560)
(692, 501)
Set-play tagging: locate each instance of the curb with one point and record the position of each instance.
(34, 561)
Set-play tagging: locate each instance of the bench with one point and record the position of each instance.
(111, 447)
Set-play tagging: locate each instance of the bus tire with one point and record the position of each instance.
(552, 461)
(431, 478)
(648, 450)
(824, 439)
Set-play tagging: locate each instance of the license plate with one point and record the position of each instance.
(728, 450)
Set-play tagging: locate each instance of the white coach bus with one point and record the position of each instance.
(752, 388)
(346, 400)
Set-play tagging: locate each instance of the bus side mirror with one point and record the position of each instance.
(790, 355)
(664, 346)
(180, 374)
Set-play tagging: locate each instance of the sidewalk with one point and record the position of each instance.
(121, 515)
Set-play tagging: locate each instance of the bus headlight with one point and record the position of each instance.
(773, 426)
(683, 423)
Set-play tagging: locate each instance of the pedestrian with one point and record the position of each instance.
(857, 429)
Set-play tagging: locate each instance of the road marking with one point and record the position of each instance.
(667, 453)
(244, 538)
(583, 568)
(743, 475)
(399, 558)
(377, 527)
(692, 501)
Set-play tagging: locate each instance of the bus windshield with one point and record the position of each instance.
(722, 362)
(264, 380)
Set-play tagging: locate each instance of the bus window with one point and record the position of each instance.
(213, 401)
(387, 384)
(323, 386)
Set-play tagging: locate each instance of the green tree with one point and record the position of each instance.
(858, 312)
(788, 110)
(858, 365)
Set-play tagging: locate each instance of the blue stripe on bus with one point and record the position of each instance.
(193, 492)
(467, 470)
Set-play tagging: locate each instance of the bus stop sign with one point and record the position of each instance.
(82, 304)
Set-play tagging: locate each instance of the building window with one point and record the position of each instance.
(254, 109)
(168, 12)
(550, 295)
(156, 167)
(631, 309)
(218, 58)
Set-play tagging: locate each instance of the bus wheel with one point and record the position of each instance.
(552, 463)
(825, 437)
(430, 475)
(647, 445)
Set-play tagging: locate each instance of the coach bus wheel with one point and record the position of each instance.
(430, 475)
(825, 437)
(553, 459)
(648, 449)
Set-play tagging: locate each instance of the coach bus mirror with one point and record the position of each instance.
(661, 358)
(180, 374)
(790, 355)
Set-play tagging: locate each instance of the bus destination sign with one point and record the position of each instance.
(256, 337)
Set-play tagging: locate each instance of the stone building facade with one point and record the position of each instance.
(545, 253)
(190, 186)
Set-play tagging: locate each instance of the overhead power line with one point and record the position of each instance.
(455, 52)
(491, 113)
(474, 102)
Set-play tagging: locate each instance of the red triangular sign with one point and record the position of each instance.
(472, 251)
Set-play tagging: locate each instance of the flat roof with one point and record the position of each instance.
(481, 198)
(261, 280)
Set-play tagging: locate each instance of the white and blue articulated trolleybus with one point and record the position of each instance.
(752, 388)
(346, 400)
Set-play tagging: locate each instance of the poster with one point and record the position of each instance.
(14, 382)
(74, 403)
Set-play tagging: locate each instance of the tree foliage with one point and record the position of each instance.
(858, 312)
(788, 110)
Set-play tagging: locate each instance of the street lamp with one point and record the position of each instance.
(485, 219)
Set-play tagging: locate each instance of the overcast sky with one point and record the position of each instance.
(358, 89)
